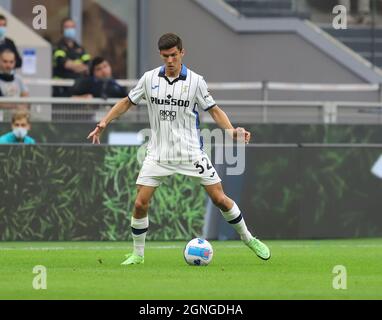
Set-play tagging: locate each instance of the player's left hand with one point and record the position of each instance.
(240, 133)
(96, 133)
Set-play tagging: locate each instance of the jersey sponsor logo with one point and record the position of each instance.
(167, 115)
(170, 102)
(155, 87)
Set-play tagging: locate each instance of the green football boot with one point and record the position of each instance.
(261, 250)
(133, 259)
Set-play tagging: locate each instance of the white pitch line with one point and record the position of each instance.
(182, 246)
(80, 248)
(331, 245)
(98, 248)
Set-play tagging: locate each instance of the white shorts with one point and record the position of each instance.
(153, 172)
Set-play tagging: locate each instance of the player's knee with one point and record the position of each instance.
(141, 206)
(219, 200)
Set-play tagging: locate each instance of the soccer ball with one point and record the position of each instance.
(198, 252)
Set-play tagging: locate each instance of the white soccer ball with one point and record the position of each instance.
(198, 252)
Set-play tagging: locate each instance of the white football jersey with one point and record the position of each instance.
(173, 107)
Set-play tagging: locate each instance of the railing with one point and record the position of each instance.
(239, 111)
(263, 86)
(263, 110)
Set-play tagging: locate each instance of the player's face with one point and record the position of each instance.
(7, 62)
(172, 59)
(21, 123)
(102, 70)
(3, 23)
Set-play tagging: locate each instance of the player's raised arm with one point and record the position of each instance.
(118, 109)
(223, 122)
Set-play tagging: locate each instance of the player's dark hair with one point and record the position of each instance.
(3, 17)
(95, 62)
(168, 41)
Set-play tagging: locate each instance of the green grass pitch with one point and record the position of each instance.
(92, 270)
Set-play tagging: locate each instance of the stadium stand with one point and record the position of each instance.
(363, 39)
(366, 41)
(267, 8)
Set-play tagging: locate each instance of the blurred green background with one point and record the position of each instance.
(85, 192)
(88, 193)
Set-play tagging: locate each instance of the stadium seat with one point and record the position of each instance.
(360, 39)
(269, 8)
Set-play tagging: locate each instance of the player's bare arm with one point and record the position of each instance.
(223, 122)
(118, 109)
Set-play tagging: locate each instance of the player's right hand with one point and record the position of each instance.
(96, 133)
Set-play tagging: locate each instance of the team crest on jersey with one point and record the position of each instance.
(185, 89)
(167, 115)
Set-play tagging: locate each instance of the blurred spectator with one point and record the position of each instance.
(70, 60)
(20, 127)
(11, 84)
(100, 83)
(6, 43)
(363, 11)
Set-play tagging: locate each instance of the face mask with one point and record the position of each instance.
(70, 33)
(3, 31)
(20, 133)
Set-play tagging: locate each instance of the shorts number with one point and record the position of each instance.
(201, 167)
(209, 167)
